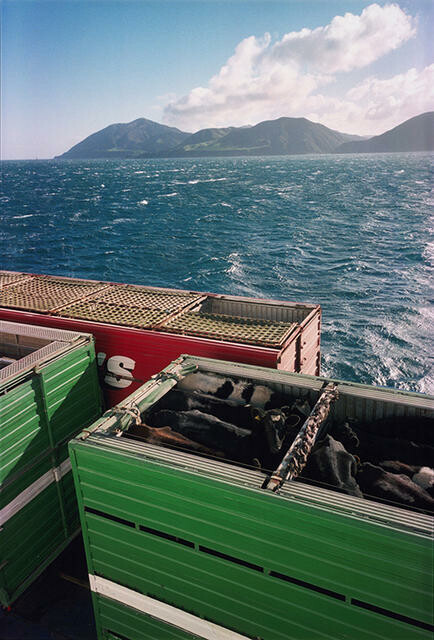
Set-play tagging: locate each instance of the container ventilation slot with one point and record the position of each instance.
(225, 556)
(109, 516)
(167, 536)
(307, 585)
(391, 614)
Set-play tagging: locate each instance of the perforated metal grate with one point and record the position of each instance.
(29, 361)
(10, 277)
(41, 333)
(97, 311)
(230, 328)
(44, 293)
(143, 298)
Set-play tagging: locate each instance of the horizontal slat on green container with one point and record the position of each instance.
(119, 622)
(23, 435)
(19, 484)
(72, 393)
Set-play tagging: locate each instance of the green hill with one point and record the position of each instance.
(283, 136)
(202, 140)
(415, 134)
(141, 138)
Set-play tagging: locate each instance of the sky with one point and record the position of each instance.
(72, 67)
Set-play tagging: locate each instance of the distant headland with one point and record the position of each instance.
(144, 138)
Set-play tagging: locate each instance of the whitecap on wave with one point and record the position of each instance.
(235, 268)
(207, 180)
(121, 220)
(426, 385)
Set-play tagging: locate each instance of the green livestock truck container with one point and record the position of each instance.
(49, 391)
(181, 545)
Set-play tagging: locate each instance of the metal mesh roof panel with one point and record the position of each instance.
(230, 328)
(9, 277)
(46, 293)
(99, 311)
(143, 298)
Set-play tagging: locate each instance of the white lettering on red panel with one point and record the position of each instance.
(119, 370)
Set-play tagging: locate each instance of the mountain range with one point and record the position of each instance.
(144, 138)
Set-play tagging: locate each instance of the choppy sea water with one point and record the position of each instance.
(353, 233)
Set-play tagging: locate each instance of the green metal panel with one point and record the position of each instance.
(40, 409)
(39, 530)
(356, 560)
(23, 428)
(71, 392)
(68, 497)
(50, 407)
(13, 487)
(30, 536)
(119, 622)
(202, 536)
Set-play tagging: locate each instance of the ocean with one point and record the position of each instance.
(354, 233)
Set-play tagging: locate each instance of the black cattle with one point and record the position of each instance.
(346, 435)
(262, 445)
(425, 479)
(395, 466)
(233, 412)
(422, 476)
(331, 464)
(208, 430)
(234, 389)
(375, 481)
(166, 437)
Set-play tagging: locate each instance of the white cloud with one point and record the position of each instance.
(374, 105)
(402, 95)
(349, 41)
(265, 80)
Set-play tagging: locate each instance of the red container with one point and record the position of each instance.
(139, 330)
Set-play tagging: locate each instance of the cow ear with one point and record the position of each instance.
(257, 413)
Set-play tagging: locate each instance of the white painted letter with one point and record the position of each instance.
(119, 366)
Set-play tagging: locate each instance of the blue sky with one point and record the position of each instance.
(72, 67)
